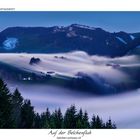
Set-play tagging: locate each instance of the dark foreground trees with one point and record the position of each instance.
(15, 112)
(6, 119)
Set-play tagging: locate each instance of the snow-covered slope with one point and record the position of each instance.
(83, 26)
(120, 39)
(10, 43)
(132, 37)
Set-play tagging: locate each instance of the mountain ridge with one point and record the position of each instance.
(57, 39)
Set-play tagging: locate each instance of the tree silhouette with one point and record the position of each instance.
(80, 121)
(70, 117)
(37, 121)
(45, 119)
(85, 120)
(93, 122)
(6, 120)
(110, 125)
(57, 119)
(17, 102)
(27, 115)
(97, 123)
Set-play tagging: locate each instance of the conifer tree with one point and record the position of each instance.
(45, 119)
(97, 123)
(57, 119)
(27, 115)
(37, 121)
(53, 120)
(93, 122)
(110, 125)
(17, 102)
(6, 120)
(85, 120)
(70, 117)
(79, 121)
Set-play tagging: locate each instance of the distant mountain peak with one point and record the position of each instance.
(82, 26)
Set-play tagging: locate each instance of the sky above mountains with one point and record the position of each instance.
(110, 21)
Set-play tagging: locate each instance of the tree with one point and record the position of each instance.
(70, 117)
(6, 120)
(97, 123)
(45, 119)
(57, 119)
(37, 121)
(93, 122)
(79, 121)
(27, 115)
(110, 125)
(17, 102)
(53, 120)
(85, 120)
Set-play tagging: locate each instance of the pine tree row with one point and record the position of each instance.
(15, 112)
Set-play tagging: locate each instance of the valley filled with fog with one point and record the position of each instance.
(114, 83)
(123, 108)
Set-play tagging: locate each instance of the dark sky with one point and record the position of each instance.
(110, 21)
